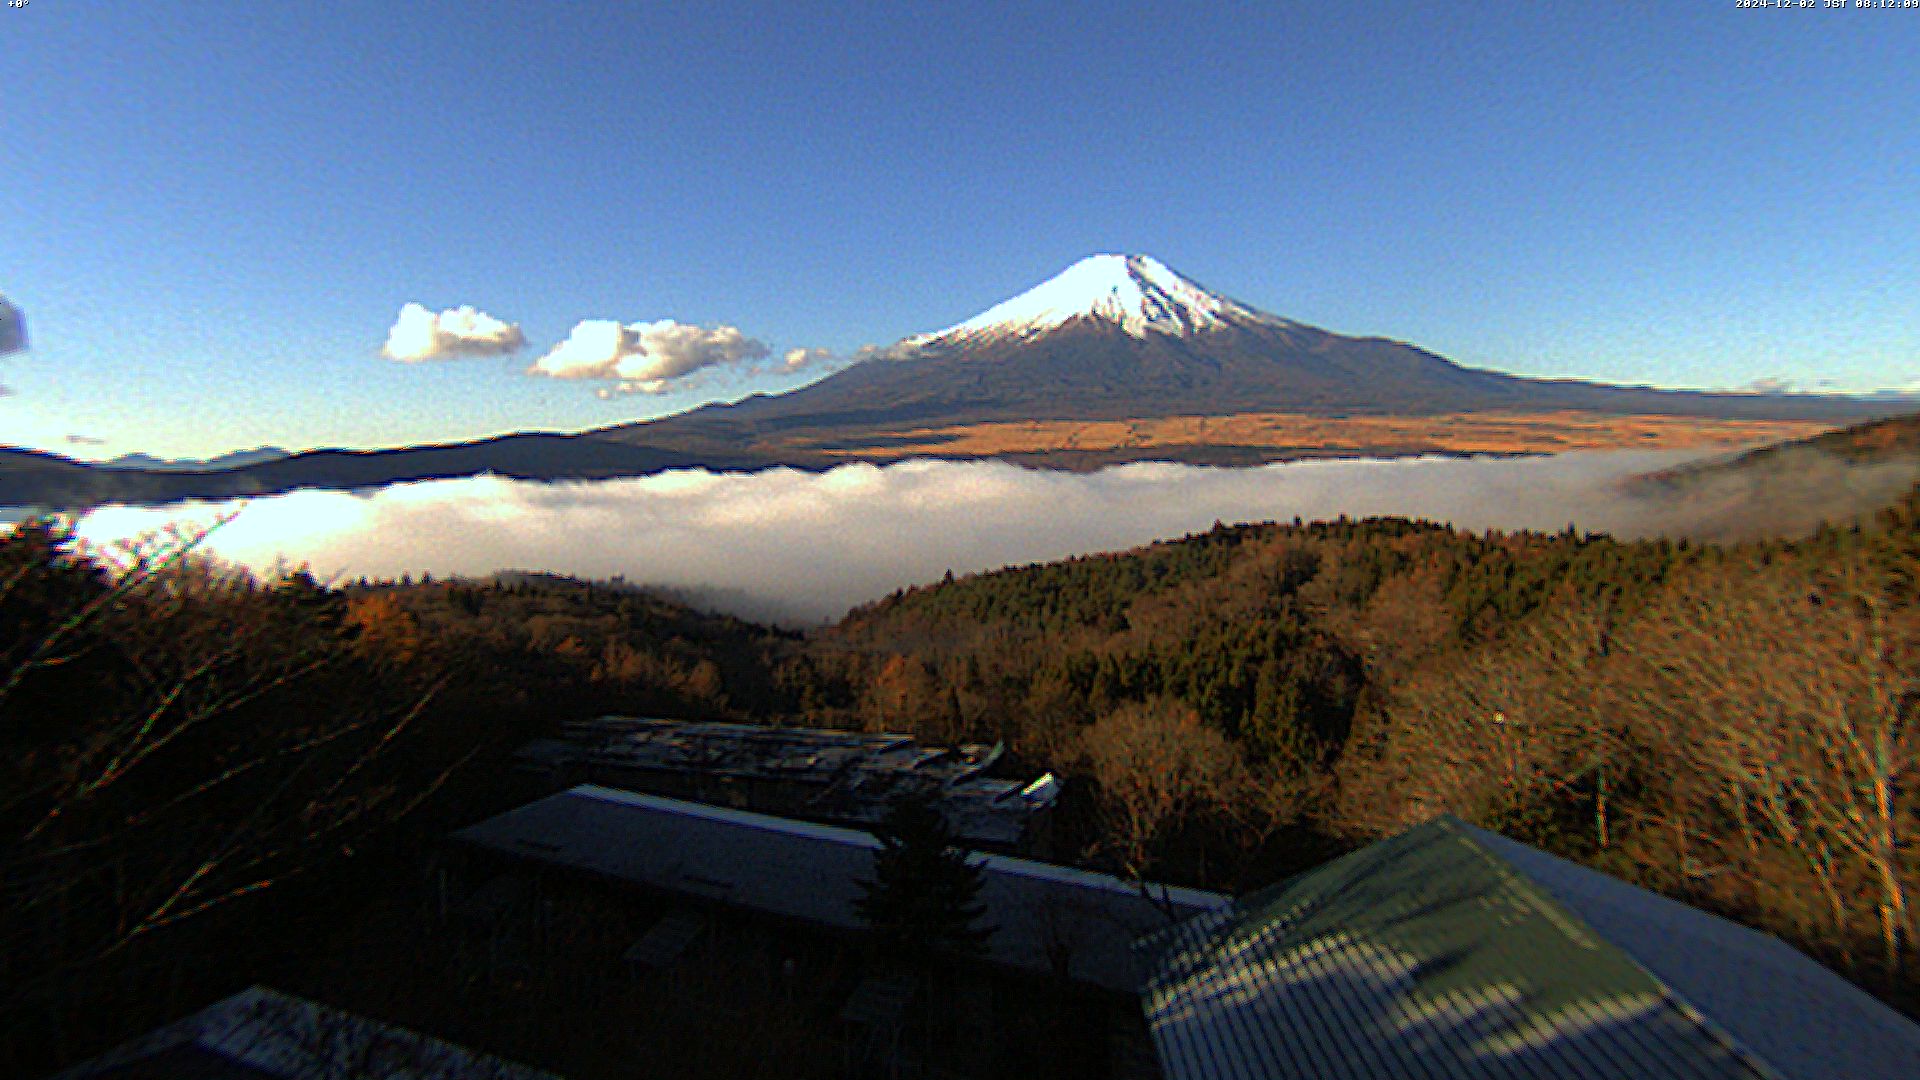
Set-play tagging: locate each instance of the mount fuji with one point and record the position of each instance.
(1127, 338)
(1117, 358)
(1137, 293)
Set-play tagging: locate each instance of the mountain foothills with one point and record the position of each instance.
(1118, 358)
(200, 759)
(235, 460)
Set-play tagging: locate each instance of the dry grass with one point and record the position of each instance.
(1294, 434)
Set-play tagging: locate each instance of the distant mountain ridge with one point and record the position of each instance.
(1112, 338)
(1787, 487)
(235, 460)
(50, 481)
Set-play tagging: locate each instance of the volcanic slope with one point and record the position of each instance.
(1126, 338)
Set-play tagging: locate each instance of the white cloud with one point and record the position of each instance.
(1776, 385)
(422, 334)
(813, 361)
(13, 328)
(642, 386)
(899, 350)
(801, 546)
(644, 357)
(798, 359)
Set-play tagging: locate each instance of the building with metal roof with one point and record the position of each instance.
(1449, 951)
(262, 1034)
(1046, 918)
(836, 777)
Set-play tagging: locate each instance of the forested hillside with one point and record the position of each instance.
(200, 764)
(1734, 725)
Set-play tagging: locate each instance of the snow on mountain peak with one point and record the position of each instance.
(1138, 293)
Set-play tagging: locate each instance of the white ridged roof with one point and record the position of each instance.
(808, 871)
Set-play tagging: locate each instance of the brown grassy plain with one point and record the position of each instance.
(1281, 436)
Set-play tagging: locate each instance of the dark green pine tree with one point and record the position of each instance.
(924, 893)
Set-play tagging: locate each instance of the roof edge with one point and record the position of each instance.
(1568, 919)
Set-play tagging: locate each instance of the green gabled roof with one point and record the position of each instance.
(1425, 955)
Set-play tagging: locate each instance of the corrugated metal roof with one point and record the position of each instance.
(184, 1063)
(262, 1033)
(1804, 1021)
(797, 869)
(1437, 953)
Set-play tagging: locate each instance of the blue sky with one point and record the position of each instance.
(212, 213)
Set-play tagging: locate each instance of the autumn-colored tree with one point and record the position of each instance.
(1156, 765)
(900, 695)
(383, 630)
(1782, 701)
(223, 741)
(1509, 734)
(702, 682)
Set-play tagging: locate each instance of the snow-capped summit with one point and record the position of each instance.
(1138, 293)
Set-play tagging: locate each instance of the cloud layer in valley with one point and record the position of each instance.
(645, 357)
(419, 334)
(801, 547)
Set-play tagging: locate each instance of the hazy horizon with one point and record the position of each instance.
(800, 548)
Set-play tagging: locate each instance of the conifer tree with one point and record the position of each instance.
(924, 893)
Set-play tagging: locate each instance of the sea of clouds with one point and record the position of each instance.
(799, 547)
